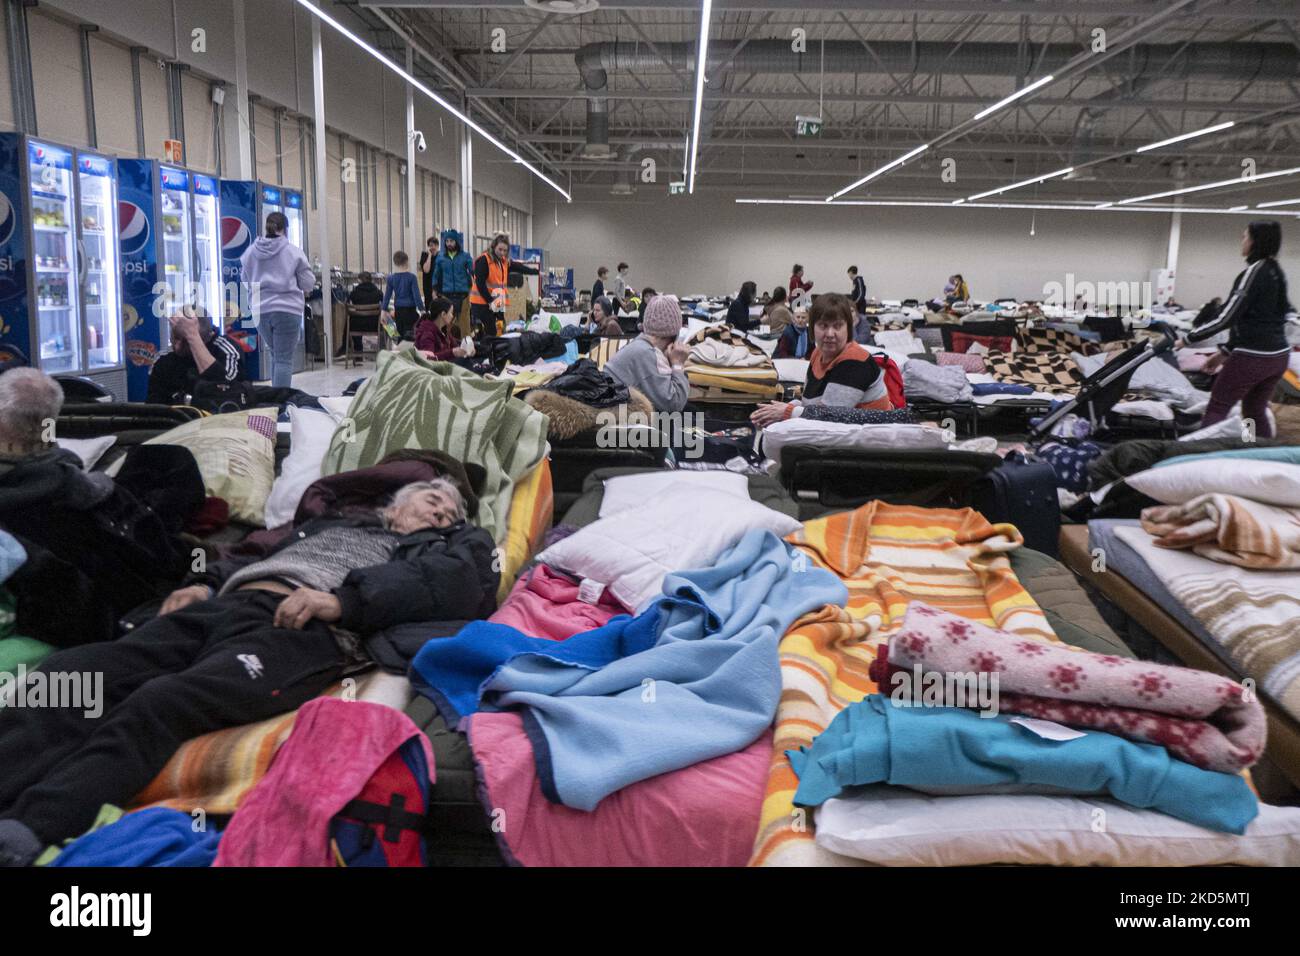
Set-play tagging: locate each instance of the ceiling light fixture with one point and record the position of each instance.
(1024, 90)
(1179, 139)
(701, 57)
(1276, 202)
(400, 71)
(1025, 182)
(1062, 207)
(881, 171)
(1235, 181)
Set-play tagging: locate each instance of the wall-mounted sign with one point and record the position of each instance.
(173, 151)
(807, 126)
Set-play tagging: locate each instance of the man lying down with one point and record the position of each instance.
(247, 640)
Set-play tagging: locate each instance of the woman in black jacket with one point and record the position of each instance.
(738, 311)
(1257, 353)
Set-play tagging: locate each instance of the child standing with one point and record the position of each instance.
(402, 297)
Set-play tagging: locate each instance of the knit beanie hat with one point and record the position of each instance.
(663, 316)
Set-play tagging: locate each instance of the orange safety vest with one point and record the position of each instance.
(498, 273)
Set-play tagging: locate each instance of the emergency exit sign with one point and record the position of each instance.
(807, 126)
(676, 189)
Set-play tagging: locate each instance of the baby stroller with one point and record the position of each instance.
(1100, 392)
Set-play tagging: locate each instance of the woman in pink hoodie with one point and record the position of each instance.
(278, 277)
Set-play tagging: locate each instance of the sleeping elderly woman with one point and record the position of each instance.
(842, 375)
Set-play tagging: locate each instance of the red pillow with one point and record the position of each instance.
(962, 341)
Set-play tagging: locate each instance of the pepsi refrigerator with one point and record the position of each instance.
(245, 204)
(171, 257)
(60, 295)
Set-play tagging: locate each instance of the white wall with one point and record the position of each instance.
(710, 244)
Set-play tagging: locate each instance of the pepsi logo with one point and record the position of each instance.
(235, 237)
(133, 226)
(6, 219)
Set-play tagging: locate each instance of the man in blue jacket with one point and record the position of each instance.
(453, 271)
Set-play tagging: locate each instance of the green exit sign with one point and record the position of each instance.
(676, 189)
(807, 125)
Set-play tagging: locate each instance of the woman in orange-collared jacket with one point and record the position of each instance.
(490, 292)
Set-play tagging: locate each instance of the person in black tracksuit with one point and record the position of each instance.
(250, 638)
(198, 354)
(1257, 353)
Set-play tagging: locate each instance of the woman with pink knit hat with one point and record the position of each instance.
(654, 363)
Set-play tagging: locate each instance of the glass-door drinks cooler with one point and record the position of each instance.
(60, 301)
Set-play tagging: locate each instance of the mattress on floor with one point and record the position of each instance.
(1123, 560)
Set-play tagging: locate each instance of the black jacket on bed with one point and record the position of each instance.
(1255, 313)
(439, 574)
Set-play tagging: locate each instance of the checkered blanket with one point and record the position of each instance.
(1053, 340)
(1044, 371)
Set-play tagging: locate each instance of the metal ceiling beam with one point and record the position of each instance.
(1224, 9)
(506, 93)
(522, 49)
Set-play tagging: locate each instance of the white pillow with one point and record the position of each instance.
(793, 370)
(337, 405)
(309, 439)
(800, 431)
(1270, 482)
(89, 450)
(894, 826)
(679, 528)
(630, 491)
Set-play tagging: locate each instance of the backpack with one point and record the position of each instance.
(387, 824)
(893, 380)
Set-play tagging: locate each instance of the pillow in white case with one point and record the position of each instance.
(895, 826)
(89, 450)
(1270, 482)
(626, 492)
(310, 432)
(680, 528)
(800, 431)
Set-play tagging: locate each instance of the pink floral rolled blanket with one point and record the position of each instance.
(1202, 718)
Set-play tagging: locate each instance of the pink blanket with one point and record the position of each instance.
(335, 747)
(544, 603)
(705, 815)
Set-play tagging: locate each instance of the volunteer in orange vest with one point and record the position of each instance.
(490, 293)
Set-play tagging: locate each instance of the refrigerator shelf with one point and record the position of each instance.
(59, 229)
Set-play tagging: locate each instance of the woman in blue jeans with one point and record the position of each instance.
(278, 277)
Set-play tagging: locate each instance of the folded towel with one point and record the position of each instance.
(1229, 529)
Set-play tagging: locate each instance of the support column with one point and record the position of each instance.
(20, 66)
(411, 240)
(466, 140)
(322, 177)
(1169, 275)
(235, 118)
(88, 85)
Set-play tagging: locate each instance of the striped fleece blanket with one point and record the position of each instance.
(1229, 529)
(736, 376)
(1251, 614)
(888, 556)
(411, 402)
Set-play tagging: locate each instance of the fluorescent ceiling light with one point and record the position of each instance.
(883, 169)
(942, 204)
(1179, 139)
(1235, 181)
(702, 56)
(1042, 81)
(1276, 202)
(1027, 182)
(321, 14)
(958, 202)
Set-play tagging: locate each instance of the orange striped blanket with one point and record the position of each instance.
(888, 556)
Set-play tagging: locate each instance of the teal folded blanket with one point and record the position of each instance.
(874, 741)
(1287, 454)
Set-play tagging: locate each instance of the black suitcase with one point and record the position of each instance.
(1022, 491)
(829, 479)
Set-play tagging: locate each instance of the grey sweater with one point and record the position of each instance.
(323, 561)
(640, 365)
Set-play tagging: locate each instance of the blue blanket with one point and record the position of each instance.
(153, 837)
(1000, 388)
(606, 709)
(451, 671)
(874, 741)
